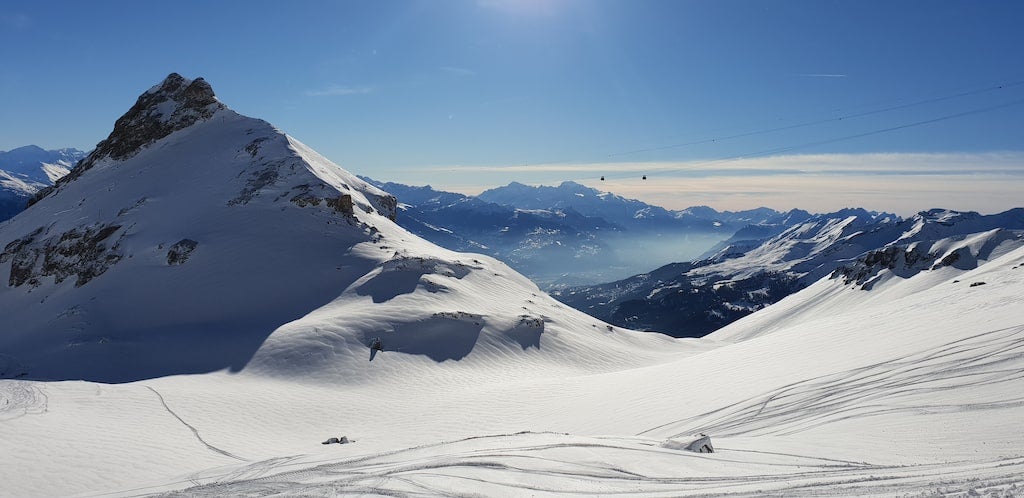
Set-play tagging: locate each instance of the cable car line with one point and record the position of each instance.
(790, 148)
(828, 120)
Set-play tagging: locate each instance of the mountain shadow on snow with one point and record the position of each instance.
(137, 264)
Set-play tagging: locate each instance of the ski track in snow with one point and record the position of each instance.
(536, 464)
(193, 429)
(20, 398)
(913, 388)
(981, 360)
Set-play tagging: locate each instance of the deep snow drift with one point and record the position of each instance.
(484, 386)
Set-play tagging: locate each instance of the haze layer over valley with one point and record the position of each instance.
(570, 234)
(203, 302)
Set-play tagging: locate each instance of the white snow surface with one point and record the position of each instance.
(22, 186)
(221, 376)
(27, 185)
(854, 394)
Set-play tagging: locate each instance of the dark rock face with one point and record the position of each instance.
(174, 104)
(258, 180)
(893, 258)
(688, 307)
(907, 260)
(692, 300)
(80, 252)
(268, 178)
(305, 197)
(180, 251)
(386, 205)
(341, 204)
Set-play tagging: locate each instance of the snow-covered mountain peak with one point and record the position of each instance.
(226, 237)
(34, 163)
(174, 104)
(571, 186)
(944, 216)
(25, 151)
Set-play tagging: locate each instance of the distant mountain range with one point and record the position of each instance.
(204, 306)
(631, 214)
(570, 234)
(762, 264)
(594, 250)
(26, 170)
(193, 237)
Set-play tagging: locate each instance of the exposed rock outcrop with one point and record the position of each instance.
(906, 260)
(81, 252)
(174, 104)
(180, 251)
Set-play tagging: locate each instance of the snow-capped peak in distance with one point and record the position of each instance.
(227, 244)
(588, 201)
(26, 170)
(35, 164)
(627, 213)
(570, 234)
(194, 236)
(749, 273)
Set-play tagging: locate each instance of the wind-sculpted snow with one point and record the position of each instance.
(552, 464)
(231, 339)
(193, 237)
(196, 226)
(910, 390)
(402, 273)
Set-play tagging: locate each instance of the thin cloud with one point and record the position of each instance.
(335, 90)
(984, 193)
(903, 183)
(873, 163)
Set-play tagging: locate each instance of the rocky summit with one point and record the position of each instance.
(176, 103)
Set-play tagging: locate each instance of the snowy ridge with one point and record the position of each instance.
(569, 234)
(35, 164)
(964, 252)
(26, 170)
(629, 214)
(229, 337)
(808, 248)
(695, 299)
(916, 392)
(18, 186)
(234, 230)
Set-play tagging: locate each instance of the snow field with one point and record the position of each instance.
(227, 372)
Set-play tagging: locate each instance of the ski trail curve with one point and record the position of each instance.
(193, 429)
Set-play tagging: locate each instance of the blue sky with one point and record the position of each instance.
(815, 104)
